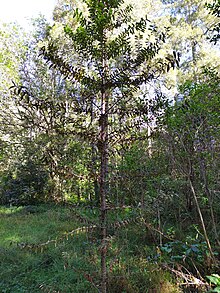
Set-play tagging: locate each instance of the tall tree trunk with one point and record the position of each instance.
(103, 192)
(103, 122)
(93, 161)
(103, 212)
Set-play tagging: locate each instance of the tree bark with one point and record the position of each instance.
(103, 192)
(103, 149)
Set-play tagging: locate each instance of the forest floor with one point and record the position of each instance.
(51, 248)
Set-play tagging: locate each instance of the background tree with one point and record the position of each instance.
(215, 10)
(192, 135)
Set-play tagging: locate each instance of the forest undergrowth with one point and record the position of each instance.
(52, 248)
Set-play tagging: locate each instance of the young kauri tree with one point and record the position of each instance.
(110, 58)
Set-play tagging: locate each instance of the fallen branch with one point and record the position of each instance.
(189, 279)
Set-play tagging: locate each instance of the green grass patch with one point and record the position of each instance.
(72, 262)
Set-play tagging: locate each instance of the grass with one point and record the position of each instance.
(72, 264)
(27, 270)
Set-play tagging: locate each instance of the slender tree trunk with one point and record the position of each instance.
(159, 227)
(103, 192)
(202, 221)
(209, 196)
(94, 159)
(103, 122)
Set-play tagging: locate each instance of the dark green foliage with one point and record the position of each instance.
(28, 185)
(214, 8)
(188, 254)
(215, 280)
